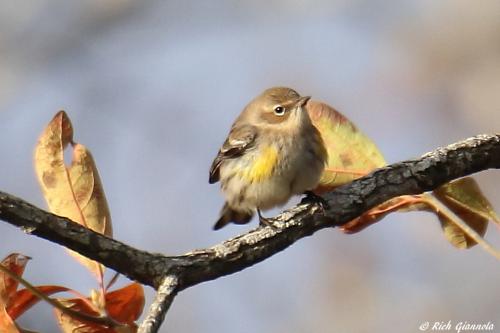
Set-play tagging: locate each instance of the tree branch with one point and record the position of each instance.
(345, 203)
(159, 307)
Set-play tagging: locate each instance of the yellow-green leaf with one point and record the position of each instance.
(456, 236)
(351, 154)
(465, 199)
(465, 192)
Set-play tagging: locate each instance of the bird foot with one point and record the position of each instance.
(264, 221)
(313, 198)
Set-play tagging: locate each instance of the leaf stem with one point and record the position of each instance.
(441, 208)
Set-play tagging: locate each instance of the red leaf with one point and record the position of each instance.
(125, 305)
(16, 263)
(70, 325)
(24, 299)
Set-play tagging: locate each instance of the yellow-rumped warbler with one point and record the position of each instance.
(272, 152)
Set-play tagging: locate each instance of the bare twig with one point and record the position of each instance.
(345, 203)
(159, 307)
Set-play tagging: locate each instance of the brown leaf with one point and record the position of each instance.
(76, 191)
(51, 170)
(351, 154)
(125, 305)
(89, 191)
(465, 199)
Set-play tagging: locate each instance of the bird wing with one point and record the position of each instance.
(240, 139)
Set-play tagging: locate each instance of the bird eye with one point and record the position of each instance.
(279, 110)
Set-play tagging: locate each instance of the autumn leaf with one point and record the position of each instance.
(465, 199)
(13, 302)
(7, 325)
(24, 299)
(70, 324)
(465, 192)
(73, 191)
(15, 263)
(124, 306)
(455, 235)
(351, 154)
(403, 203)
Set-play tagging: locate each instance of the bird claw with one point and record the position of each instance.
(313, 198)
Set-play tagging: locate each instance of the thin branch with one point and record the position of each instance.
(164, 297)
(344, 203)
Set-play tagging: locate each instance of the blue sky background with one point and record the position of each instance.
(152, 88)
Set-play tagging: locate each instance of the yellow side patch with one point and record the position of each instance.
(262, 166)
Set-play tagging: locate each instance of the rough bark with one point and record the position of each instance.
(158, 309)
(344, 203)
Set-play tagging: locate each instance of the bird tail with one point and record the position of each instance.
(228, 215)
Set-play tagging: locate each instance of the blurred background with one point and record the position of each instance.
(152, 88)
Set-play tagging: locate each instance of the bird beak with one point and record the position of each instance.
(303, 100)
